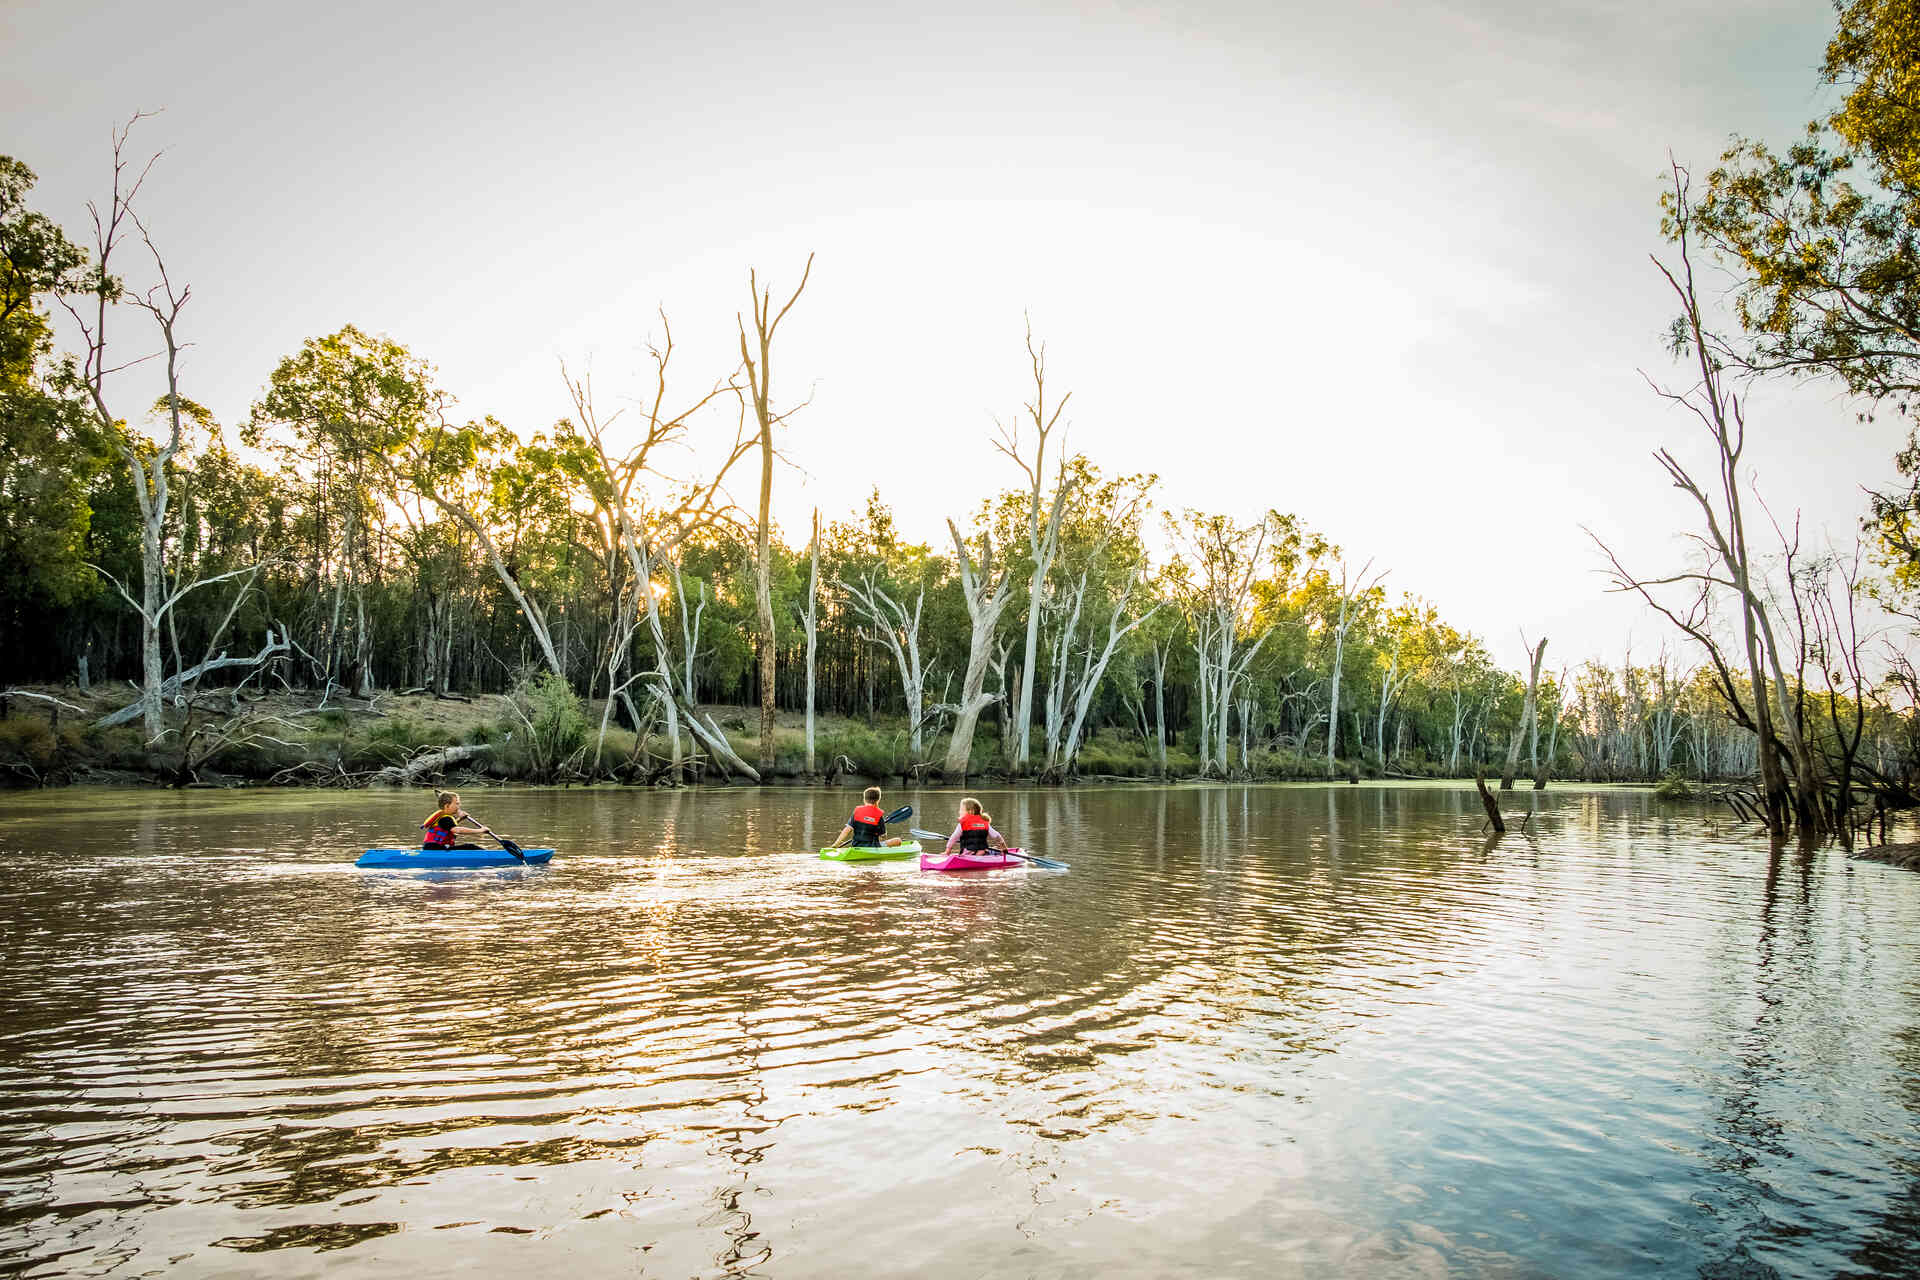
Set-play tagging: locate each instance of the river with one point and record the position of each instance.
(1271, 1031)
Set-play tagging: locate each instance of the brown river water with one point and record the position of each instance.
(1262, 1031)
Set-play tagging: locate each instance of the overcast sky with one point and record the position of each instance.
(1382, 265)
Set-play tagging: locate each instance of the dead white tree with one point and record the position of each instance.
(1730, 570)
(1528, 710)
(899, 631)
(1390, 688)
(812, 622)
(163, 303)
(1043, 532)
(1093, 669)
(759, 369)
(653, 537)
(986, 587)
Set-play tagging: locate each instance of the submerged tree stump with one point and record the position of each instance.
(1493, 806)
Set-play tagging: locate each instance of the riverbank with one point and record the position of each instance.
(49, 737)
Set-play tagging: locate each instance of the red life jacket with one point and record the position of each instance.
(439, 829)
(869, 826)
(974, 831)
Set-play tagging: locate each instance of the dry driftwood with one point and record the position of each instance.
(428, 763)
(170, 691)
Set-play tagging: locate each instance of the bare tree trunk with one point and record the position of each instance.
(1360, 588)
(760, 379)
(1526, 718)
(813, 599)
(985, 592)
(900, 632)
(1160, 704)
(1043, 536)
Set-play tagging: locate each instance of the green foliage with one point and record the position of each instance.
(550, 724)
(1673, 787)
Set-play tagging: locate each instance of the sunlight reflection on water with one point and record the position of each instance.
(1288, 1031)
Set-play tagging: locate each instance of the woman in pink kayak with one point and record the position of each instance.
(975, 832)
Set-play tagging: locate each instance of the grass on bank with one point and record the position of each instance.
(541, 733)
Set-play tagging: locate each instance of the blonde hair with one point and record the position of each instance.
(970, 805)
(871, 795)
(445, 798)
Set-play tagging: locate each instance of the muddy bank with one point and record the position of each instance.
(1894, 855)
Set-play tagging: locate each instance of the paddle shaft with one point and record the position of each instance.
(505, 843)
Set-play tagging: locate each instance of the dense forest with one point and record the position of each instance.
(608, 597)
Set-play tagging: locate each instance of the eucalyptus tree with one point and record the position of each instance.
(1222, 560)
(1822, 234)
(93, 306)
(1527, 723)
(1730, 570)
(506, 493)
(342, 406)
(51, 457)
(985, 586)
(1043, 530)
(757, 360)
(882, 604)
(1411, 630)
(1101, 563)
(811, 622)
(654, 529)
(1355, 590)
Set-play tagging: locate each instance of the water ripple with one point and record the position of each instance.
(1283, 1031)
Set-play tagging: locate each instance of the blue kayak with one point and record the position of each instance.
(444, 859)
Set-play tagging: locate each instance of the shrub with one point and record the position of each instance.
(1673, 787)
(552, 724)
(28, 742)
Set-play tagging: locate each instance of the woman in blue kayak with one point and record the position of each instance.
(974, 833)
(867, 828)
(443, 829)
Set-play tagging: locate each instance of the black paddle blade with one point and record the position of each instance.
(901, 814)
(511, 848)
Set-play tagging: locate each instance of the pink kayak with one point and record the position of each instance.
(960, 860)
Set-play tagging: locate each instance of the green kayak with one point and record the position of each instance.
(911, 849)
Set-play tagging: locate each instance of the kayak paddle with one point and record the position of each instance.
(505, 843)
(1038, 861)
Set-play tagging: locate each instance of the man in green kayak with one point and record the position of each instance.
(867, 828)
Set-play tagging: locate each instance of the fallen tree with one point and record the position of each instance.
(428, 764)
(170, 689)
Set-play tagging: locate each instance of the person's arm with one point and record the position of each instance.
(840, 841)
(953, 841)
(995, 840)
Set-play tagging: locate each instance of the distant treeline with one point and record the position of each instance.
(356, 534)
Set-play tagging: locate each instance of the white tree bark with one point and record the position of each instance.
(900, 632)
(759, 384)
(813, 629)
(1346, 619)
(1094, 669)
(1043, 535)
(986, 589)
